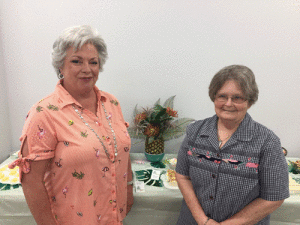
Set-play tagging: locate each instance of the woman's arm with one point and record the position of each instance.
(35, 191)
(186, 188)
(129, 187)
(253, 212)
(273, 176)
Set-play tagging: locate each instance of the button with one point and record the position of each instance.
(218, 155)
(113, 191)
(211, 197)
(213, 176)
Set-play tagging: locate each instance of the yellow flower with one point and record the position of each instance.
(15, 180)
(71, 122)
(5, 179)
(13, 172)
(4, 168)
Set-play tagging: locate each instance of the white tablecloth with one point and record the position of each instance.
(155, 206)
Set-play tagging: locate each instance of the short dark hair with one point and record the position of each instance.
(240, 74)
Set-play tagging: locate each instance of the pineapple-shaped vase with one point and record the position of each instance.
(154, 149)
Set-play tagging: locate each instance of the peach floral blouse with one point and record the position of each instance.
(84, 186)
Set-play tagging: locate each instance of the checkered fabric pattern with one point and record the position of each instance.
(250, 165)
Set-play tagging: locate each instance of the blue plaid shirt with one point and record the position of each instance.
(250, 165)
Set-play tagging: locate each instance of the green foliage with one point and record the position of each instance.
(177, 128)
(169, 102)
(294, 167)
(161, 119)
(145, 175)
(134, 133)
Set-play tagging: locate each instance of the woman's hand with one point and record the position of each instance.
(253, 212)
(188, 193)
(212, 222)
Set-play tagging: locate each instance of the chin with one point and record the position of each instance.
(227, 117)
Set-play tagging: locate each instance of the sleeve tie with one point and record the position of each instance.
(22, 163)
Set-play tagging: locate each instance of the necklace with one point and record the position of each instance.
(113, 132)
(221, 141)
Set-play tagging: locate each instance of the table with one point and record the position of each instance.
(13, 206)
(155, 206)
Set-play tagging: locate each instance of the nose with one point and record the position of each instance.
(229, 101)
(86, 67)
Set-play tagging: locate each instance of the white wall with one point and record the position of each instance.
(5, 131)
(160, 48)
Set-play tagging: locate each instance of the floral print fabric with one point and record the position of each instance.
(83, 185)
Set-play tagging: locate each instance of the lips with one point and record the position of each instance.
(228, 110)
(86, 78)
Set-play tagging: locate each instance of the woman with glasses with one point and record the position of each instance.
(231, 169)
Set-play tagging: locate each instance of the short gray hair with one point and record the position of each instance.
(76, 37)
(240, 74)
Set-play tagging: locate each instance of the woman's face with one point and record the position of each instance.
(80, 69)
(229, 111)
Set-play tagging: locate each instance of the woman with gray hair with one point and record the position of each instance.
(231, 169)
(74, 159)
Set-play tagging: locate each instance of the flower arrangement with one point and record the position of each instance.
(157, 124)
(294, 167)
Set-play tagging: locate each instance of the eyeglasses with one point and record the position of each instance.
(235, 98)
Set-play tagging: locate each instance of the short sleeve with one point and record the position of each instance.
(182, 166)
(273, 171)
(40, 132)
(41, 139)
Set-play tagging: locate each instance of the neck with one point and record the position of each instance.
(85, 98)
(228, 125)
(81, 97)
(89, 102)
(225, 131)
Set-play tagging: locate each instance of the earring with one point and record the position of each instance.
(60, 76)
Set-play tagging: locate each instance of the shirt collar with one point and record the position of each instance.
(210, 127)
(64, 98)
(243, 133)
(246, 129)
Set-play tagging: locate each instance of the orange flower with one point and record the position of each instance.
(151, 130)
(172, 112)
(139, 117)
